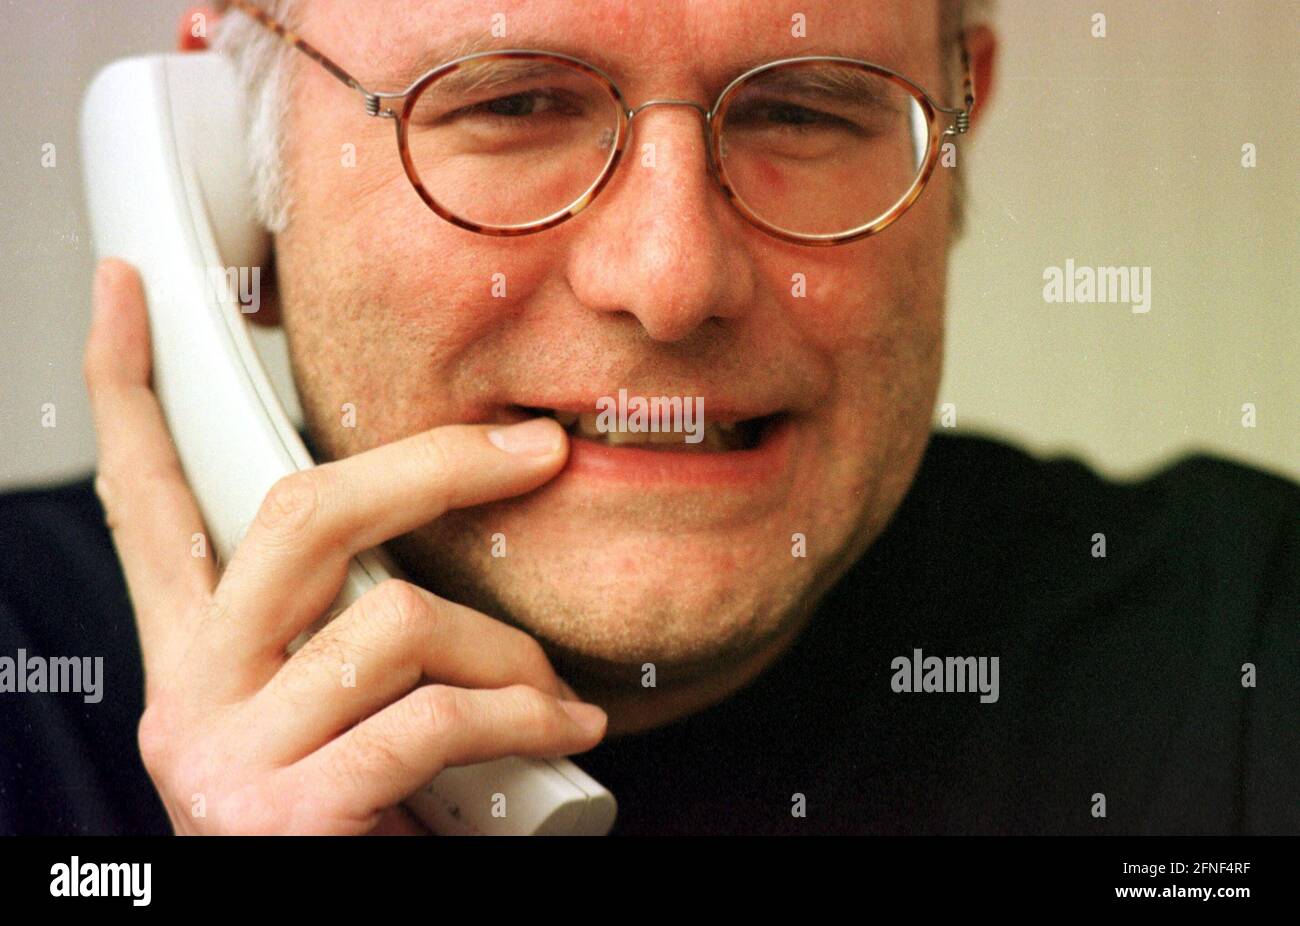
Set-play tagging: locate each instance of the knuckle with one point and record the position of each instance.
(536, 710)
(402, 606)
(108, 489)
(116, 489)
(435, 708)
(534, 661)
(439, 462)
(252, 810)
(187, 766)
(437, 455)
(189, 770)
(292, 504)
(154, 738)
(176, 763)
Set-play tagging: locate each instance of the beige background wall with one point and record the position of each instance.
(1123, 150)
(1127, 151)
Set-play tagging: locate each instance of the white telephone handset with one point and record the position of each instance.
(168, 190)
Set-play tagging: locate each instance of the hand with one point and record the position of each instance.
(240, 738)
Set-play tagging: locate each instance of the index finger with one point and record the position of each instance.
(291, 563)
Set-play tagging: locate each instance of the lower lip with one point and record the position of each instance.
(670, 468)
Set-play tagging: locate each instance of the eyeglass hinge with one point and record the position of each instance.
(372, 107)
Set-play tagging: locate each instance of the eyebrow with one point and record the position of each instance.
(500, 72)
(844, 86)
(446, 52)
(491, 73)
(841, 85)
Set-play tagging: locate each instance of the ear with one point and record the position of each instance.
(195, 25)
(982, 44)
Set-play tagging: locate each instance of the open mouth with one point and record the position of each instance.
(710, 437)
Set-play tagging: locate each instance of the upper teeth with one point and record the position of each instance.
(716, 436)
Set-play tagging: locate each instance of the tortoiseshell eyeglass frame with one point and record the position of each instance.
(398, 107)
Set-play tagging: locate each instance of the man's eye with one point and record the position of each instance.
(778, 115)
(519, 106)
(789, 114)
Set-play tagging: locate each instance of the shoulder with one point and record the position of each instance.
(57, 564)
(68, 762)
(50, 531)
(1148, 626)
(1004, 466)
(1227, 524)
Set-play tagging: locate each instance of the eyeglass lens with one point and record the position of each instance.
(809, 148)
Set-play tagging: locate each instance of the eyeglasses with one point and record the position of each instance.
(817, 150)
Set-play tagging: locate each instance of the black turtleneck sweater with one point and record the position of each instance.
(1119, 676)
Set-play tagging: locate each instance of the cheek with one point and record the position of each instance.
(858, 294)
(369, 261)
(873, 312)
(431, 278)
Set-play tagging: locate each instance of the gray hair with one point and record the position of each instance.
(265, 73)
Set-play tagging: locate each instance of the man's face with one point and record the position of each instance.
(685, 560)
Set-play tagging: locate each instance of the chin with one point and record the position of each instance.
(605, 602)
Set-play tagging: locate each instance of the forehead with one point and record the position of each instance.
(660, 45)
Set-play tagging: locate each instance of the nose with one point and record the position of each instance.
(660, 243)
(691, 103)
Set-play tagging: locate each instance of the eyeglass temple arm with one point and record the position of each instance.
(292, 38)
(962, 124)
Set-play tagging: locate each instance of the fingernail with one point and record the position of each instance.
(537, 437)
(588, 716)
